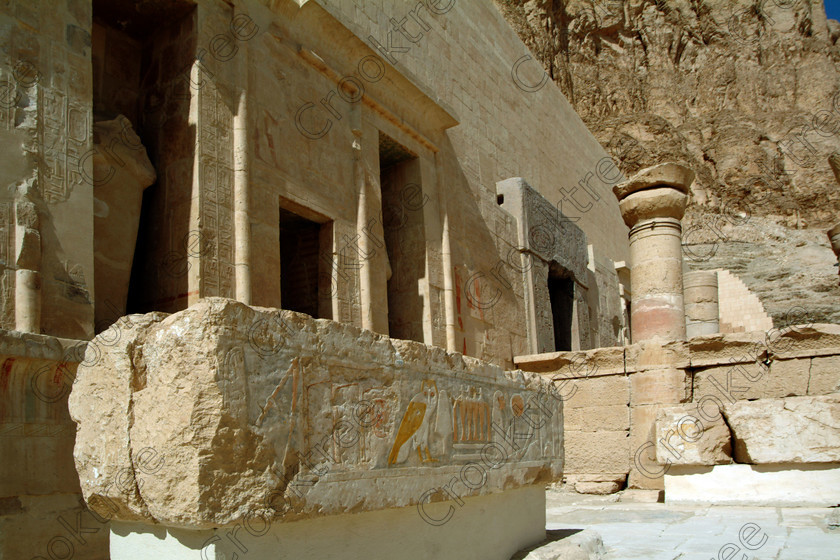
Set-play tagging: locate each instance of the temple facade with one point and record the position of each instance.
(325, 267)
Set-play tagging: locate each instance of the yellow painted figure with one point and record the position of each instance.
(416, 425)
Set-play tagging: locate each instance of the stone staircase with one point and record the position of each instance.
(740, 309)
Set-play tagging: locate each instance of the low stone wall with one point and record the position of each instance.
(612, 395)
(224, 415)
(41, 503)
(778, 451)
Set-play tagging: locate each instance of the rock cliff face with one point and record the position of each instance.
(745, 92)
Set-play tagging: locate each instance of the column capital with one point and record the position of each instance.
(671, 175)
(660, 191)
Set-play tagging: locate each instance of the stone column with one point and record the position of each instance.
(834, 239)
(28, 261)
(652, 204)
(701, 303)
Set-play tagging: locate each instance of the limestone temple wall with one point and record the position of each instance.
(296, 154)
(244, 121)
(612, 395)
(406, 155)
(263, 119)
(46, 212)
(402, 168)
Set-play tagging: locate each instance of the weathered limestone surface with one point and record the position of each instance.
(39, 486)
(609, 390)
(595, 418)
(250, 411)
(608, 414)
(813, 339)
(710, 371)
(598, 361)
(583, 545)
(702, 315)
(784, 378)
(598, 487)
(661, 386)
(664, 174)
(596, 452)
(602, 483)
(656, 354)
(644, 472)
(824, 375)
(686, 437)
(713, 349)
(791, 430)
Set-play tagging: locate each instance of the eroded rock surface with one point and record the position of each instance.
(746, 94)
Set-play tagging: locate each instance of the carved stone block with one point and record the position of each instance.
(266, 412)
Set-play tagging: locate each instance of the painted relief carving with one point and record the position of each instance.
(458, 428)
(470, 414)
(415, 427)
(321, 414)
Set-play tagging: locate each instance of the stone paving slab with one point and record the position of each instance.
(659, 531)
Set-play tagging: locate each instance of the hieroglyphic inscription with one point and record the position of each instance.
(64, 135)
(7, 266)
(216, 191)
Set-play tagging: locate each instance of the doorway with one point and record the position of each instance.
(405, 237)
(561, 290)
(299, 258)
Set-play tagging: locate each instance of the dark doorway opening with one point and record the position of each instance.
(561, 290)
(405, 237)
(299, 250)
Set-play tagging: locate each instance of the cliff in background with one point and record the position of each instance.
(746, 93)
